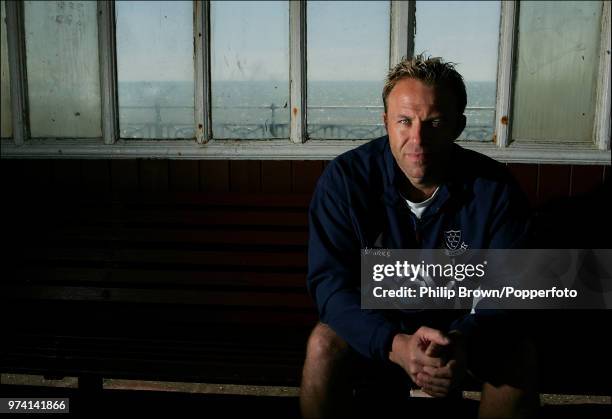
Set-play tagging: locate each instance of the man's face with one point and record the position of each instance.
(422, 125)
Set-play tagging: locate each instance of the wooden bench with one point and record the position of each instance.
(179, 287)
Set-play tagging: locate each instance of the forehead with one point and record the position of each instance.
(409, 93)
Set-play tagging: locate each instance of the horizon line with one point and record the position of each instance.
(277, 81)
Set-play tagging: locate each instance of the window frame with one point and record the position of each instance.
(402, 23)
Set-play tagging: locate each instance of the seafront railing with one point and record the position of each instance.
(161, 121)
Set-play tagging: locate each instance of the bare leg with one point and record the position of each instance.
(507, 402)
(325, 390)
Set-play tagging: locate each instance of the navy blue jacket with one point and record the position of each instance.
(357, 204)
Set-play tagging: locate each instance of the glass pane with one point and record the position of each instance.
(62, 67)
(558, 55)
(155, 69)
(348, 58)
(250, 69)
(466, 33)
(6, 129)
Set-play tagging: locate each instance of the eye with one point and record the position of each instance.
(437, 123)
(405, 121)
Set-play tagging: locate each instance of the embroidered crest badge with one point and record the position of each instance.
(454, 245)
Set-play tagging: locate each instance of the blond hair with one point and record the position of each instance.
(432, 71)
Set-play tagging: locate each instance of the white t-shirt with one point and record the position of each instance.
(419, 207)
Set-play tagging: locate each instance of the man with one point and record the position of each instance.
(408, 190)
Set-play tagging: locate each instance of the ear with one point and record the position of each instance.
(384, 118)
(461, 121)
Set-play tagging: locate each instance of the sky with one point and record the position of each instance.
(346, 40)
(464, 32)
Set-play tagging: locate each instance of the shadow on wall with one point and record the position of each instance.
(580, 222)
(566, 336)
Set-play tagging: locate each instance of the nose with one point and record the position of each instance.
(417, 134)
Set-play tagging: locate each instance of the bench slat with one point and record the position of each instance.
(140, 257)
(180, 236)
(156, 277)
(172, 216)
(165, 296)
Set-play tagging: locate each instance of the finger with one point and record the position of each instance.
(441, 389)
(450, 370)
(436, 394)
(433, 391)
(413, 371)
(457, 373)
(432, 335)
(428, 361)
(428, 380)
(442, 372)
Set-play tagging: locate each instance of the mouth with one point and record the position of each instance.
(418, 156)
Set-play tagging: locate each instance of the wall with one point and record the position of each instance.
(541, 182)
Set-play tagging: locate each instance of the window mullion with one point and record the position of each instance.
(15, 37)
(202, 72)
(402, 31)
(297, 70)
(604, 94)
(505, 68)
(108, 71)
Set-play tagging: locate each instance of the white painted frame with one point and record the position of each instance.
(402, 29)
(201, 37)
(297, 72)
(602, 107)
(15, 38)
(107, 46)
(505, 67)
(503, 147)
(270, 150)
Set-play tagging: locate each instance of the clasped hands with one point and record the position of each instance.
(434, 361)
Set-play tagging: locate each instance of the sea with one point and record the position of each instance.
(260, 109)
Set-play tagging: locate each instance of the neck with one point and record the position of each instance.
(419, 192)
(419, 189)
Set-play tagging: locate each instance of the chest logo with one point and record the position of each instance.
(454, 245)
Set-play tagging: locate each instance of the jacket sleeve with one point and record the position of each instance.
(334, 275)
(509, 228)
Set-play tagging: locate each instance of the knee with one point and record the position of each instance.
(324, 345)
